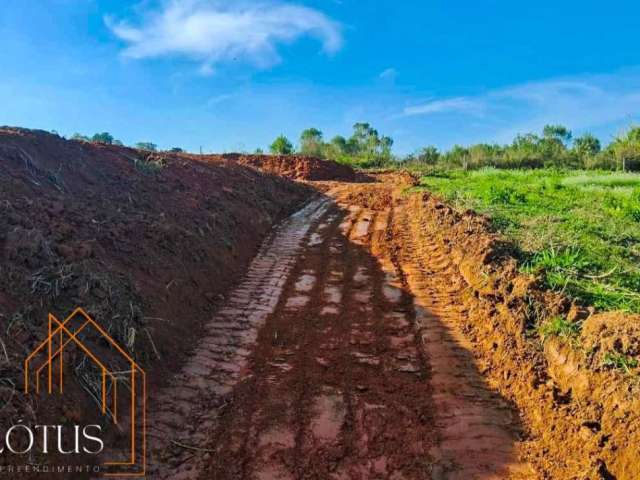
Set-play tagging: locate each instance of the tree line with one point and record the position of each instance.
(555, 147)
(365, 147)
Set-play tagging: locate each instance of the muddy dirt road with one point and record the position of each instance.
(337, 357)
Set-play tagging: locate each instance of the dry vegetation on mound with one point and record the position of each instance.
(107, 228)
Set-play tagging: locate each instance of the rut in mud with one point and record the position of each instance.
(336, 358)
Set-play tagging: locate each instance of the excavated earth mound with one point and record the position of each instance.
(297, 167)
(146, 243)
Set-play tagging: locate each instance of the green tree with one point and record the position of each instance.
(311, 142)
(365, 139)
(336, 149)
(626, 149)
(176, 150)
(587, 145)
(426, 156)
(557, 132)
(104, 137)
(79, 136)
(281, 145)
(458, 156)
(385, 145)
(340, 143)
(151, 147)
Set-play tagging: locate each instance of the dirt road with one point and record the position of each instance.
(338, 357)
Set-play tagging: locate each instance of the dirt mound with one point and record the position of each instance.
(374, 196)
(395, 177)
(146, 243)
(296, 167)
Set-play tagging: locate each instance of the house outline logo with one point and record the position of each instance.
(60, 336)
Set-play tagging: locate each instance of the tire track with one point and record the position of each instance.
(478, 431)
(339, 358)
(184, 413)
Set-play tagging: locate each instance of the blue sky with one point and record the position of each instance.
(231, 75)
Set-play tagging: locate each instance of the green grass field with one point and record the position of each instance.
(579, 229)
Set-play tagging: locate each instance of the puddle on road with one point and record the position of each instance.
(332, 294)
(305, 282)
(397, 320)
(361, 275)
(392, 288)
(366, 358)
(329, 415)
(361, 230)
(362, 296)
(278, 436)
(297, 302)
(330, 310)
(391, 293)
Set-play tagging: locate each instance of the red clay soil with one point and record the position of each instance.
(148, 244)
(333, 360)
(297, 167)
(580, 417)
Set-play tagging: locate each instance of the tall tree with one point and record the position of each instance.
(428, 155)
(104, 137)
(311, 142)
(587, 145)
(557, 132)
(281, 145)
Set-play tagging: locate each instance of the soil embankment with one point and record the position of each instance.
(148, 244)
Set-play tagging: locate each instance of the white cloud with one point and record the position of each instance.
(457, 104)
(214, 31)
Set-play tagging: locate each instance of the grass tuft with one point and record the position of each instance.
(620, 362)
(559, 327)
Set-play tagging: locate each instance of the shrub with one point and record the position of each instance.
(148, 146)
(281, 146)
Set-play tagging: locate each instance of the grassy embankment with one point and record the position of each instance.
(580, 230)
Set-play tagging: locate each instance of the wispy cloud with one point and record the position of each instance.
(389, 74)
(581, 102)
(465, 105)
(214, 31)
(213, 101)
